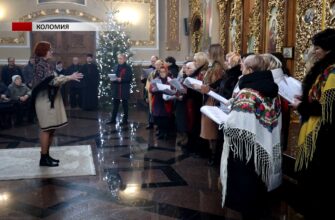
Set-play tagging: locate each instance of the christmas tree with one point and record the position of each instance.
(113, 40)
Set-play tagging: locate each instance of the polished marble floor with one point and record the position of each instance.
(138, 177)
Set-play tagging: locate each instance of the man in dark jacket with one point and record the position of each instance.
(74, 86)
(121, 88)
(9, 71)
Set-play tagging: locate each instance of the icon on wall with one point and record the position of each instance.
(272, 31)
(309, 16)
(288, 52)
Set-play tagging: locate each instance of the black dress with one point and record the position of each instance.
(90, 83)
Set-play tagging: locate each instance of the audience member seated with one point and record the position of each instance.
(19, 95)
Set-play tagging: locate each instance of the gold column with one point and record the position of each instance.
(309, 22)
(222, 4)
(172, 37)
(196, 25)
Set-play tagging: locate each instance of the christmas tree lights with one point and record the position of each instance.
(111, 43)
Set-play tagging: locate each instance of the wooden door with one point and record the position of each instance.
(67, 44)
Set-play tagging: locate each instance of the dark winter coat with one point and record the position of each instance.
(229, 80)
(7, 73)
(160, 107)
(121, 90)
(90, 84)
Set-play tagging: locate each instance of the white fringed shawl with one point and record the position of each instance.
(253, 126)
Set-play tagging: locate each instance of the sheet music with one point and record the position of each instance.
(168, 97)
(192, 83)
(225, 108)
(162, 87)
(289, 87)
(112, 77)
(176, 83)
(146, 72)
(218, 97)
(214, 113)
(155, 81)
(165, 88)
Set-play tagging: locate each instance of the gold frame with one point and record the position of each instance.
(255, 25)
(304, 32)
(236, 13)
(222, 4)
(172, 42)
(330, 16)
(21, 39)
(58, 12)
(196, 36)
(152, 24)
(280, 5)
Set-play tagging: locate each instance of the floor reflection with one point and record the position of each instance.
(138, 176)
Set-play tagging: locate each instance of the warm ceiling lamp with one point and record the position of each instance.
(2, 12)
(128, 15)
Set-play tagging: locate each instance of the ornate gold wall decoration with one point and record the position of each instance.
(152, 23)
(59, 12)
(235, 26)
(222, 4)
(196, 24)
(255, 28)
(330, 13)
(309, 21)
(172, 28)
(19, 40)
(275, 10)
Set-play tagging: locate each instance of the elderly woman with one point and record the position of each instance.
(251, 157)
(47, 100)
(20, 94)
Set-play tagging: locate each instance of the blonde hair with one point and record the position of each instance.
(228, 55)
(255, 62)
(201, 59)
(234, 59)
(271, 62)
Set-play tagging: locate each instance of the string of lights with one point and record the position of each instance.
(111, 43)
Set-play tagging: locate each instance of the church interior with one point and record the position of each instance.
(115, 166)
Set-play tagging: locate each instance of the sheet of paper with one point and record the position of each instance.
(289, 87)
(162, 87)
(165, 88)
(112, 77)
(214, 113)
(218, 97)
(146, 72)
(155, 81)
(192, 83)
(168, 97)
(176, 83)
